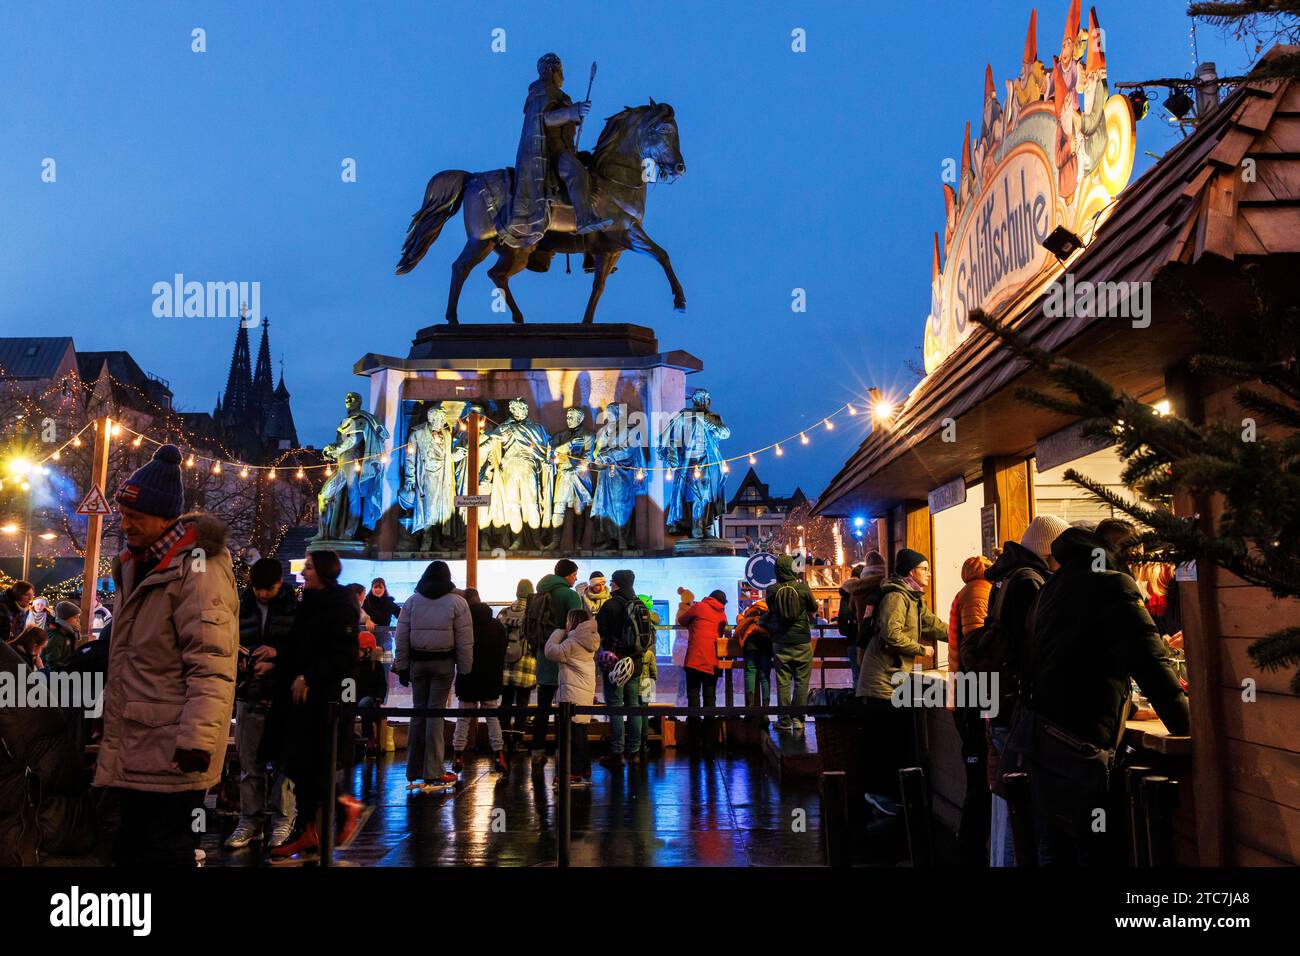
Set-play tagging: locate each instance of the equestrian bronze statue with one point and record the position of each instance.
(555, 199)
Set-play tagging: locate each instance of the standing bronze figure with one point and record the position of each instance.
(523, 214)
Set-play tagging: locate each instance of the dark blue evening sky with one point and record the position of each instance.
(817, 170)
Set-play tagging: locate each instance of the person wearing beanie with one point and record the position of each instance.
(64, 630)
(520, 674)
(266, 615)
(556, 589)
(705, 621)
(594, 593)
(901, 641)
(1092, 636)
(1020, 571)
(623, 615)
(171, 666)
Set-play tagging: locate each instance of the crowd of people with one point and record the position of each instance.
(1057, 625)
(1058, 630)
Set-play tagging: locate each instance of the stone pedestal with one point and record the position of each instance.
(552, 366)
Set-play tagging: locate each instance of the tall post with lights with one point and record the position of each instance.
(94, 527)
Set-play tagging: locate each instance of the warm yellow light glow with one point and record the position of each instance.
(115, 430)
(19, 466)
(243, 472)
(726, 469)
(270, 475)
(1162, 407)
(216, 468)
(189, 462)
(55, 456)
(640, 474)
(47, 535)
(24, 486)
(9, 528)
(778, 450)
(300, 474)
(830, 425)
(803, 439)
(138, 440)
(884, 408)
(753, 460)
(849, 406)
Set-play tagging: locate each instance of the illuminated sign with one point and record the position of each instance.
(1056, 152)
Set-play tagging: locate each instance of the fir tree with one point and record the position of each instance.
(1255, 474)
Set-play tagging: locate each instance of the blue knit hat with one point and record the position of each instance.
(155, 487)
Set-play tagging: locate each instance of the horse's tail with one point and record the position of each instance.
(442, 200)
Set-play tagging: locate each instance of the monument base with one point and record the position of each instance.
(342, 547)
(701, 546)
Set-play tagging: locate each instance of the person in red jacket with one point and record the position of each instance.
(705, 621)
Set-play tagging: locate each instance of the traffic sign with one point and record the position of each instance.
(473, 501)
(94, 503)
(760, 570)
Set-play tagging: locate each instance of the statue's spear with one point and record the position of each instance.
(578, 133)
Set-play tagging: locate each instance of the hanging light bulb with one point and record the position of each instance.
(640, 474)
(55, 456)
(803, 439)
(76, 442)
(830, 425)
(299, 473)
(582, 469)
(216, 468)
(778, 449)
(752, 459)
(697, 471)
(726, 469)
(189, 462)
(243, 472)
(357, 468)
(270, 475)
(329, 470)
(138, 440)
(849, 406)
(117, 430)
(383, 459)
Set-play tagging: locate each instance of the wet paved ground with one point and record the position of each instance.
(670, 811)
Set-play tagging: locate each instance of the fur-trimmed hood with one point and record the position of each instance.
(211, 533)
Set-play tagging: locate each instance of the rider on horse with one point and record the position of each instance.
(546, 148)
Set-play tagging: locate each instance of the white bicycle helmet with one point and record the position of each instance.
(622, 672)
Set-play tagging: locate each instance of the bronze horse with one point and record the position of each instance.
(637, 142)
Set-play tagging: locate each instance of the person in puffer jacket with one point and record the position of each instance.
(574, 650)
(970, 605)
(435, 638)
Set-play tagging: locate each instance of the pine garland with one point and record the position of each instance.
(1256, 475)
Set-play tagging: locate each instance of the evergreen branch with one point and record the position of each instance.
(1276, 651)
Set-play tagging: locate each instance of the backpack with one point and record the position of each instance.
(846, 621)
(638, 631)
(987, 647)
(537, 620)
(514, 623)
(787, 602)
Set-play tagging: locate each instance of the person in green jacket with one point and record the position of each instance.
(790, 606)
(558, 588)
(902, 623)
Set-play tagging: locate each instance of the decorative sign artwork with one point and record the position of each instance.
(1043, 160)
(948, 495)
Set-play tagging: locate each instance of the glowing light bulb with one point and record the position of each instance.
(830, 425)
(300, 474)
(138, 440)
(329, 470)
(697, 471)
(640, 474)
(849, 406)
(117, 430)
(55, 456)
(357, 468)
(778, 449)
(803, 439)
(752, 459)
(76, 442)
(270, 475)
(383, 459)
(243, 472)
(216, 468)
(726, 469)
(189, 462)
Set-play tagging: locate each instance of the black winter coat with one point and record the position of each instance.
(1014, 622)
(280, 613)
(1090, 634)
(382, 611)
(484, 681)
(39, 761)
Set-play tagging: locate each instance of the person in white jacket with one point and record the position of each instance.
(574, 649)
(434, 639)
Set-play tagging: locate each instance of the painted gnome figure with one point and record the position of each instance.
(348, 503)
(690, 446)
(429, 481)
